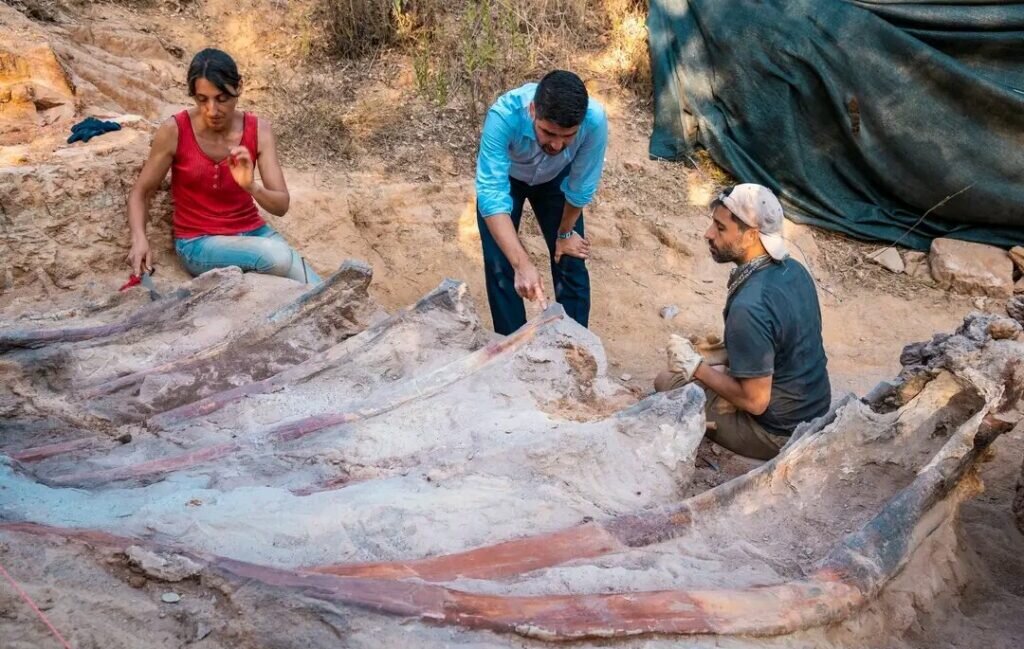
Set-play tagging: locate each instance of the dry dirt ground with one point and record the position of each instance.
(400, 197)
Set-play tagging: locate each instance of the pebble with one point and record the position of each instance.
(889, 259)
(669, 312)
(626, 377)
(170, 597)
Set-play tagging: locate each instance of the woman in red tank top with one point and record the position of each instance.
(212, 151)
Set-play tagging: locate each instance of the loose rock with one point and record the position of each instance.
(166, 567)
(1017, 255)
(1004, 328)
(170, 597)
(888, 258)
(669, 312)
(971, 268)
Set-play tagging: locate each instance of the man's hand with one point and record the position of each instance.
(712, 348)
(528, 284)
(683, 358)
(140, 256)
(574, 246)
(240, 164)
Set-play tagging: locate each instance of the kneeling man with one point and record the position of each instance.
(776, 375)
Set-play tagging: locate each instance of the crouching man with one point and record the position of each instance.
(776, 375)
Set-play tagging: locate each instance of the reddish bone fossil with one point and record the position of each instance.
(332, 357)
(315, 304)
(849, 574)
(408, 391)
(852, 573)
(151, 313)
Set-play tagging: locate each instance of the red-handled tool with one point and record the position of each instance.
(134, 280)
(146, 280)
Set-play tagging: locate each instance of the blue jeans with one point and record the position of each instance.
(262, 250)
(569, 275)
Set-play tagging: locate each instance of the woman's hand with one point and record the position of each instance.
(140, 256)
(242, 168)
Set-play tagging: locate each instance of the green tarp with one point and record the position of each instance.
(861, 115)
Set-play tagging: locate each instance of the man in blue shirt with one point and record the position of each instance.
(543, 143)
(777, 375)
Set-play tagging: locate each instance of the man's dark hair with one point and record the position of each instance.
(218, 68)
(561, 98)
(718, 201)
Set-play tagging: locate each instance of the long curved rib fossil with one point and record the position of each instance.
(409, 390)
(443, 296)
(850, 575)
(318, 304)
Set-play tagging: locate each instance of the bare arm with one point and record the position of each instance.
(161, 156)
(272, 194)
(570, 214)
(527, 279)
(749, 395)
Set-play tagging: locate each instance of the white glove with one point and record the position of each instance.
(683, 358)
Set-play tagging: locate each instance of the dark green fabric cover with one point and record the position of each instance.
(860, 115)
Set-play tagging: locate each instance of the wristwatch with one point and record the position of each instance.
(566, 235)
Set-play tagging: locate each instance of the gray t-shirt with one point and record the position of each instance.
(773, 327)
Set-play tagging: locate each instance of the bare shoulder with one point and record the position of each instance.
(166, 136)
(265, 130)
(169, 125)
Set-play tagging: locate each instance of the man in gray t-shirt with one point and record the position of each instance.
(777, 374)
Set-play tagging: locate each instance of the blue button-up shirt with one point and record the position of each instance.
(509, 148)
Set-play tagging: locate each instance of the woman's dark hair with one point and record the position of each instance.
(562, 98)
(218, 68)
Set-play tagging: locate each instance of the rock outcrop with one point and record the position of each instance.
(63, 207)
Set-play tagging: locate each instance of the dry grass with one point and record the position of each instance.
(626, 56)
(845, 260)
(354, 28)
(466, 54)
(309, 117)
(342, 113)
(441, 64)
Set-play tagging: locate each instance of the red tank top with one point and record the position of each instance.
(207, 200)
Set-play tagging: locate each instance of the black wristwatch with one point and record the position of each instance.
(566, 235)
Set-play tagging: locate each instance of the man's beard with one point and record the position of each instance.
(725, 255)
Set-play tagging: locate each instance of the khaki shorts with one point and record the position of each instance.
(738, 431)
(727, 426)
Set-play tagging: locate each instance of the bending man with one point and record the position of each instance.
(543, 143)
(776, 376)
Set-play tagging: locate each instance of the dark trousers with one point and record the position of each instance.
(570, 275)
